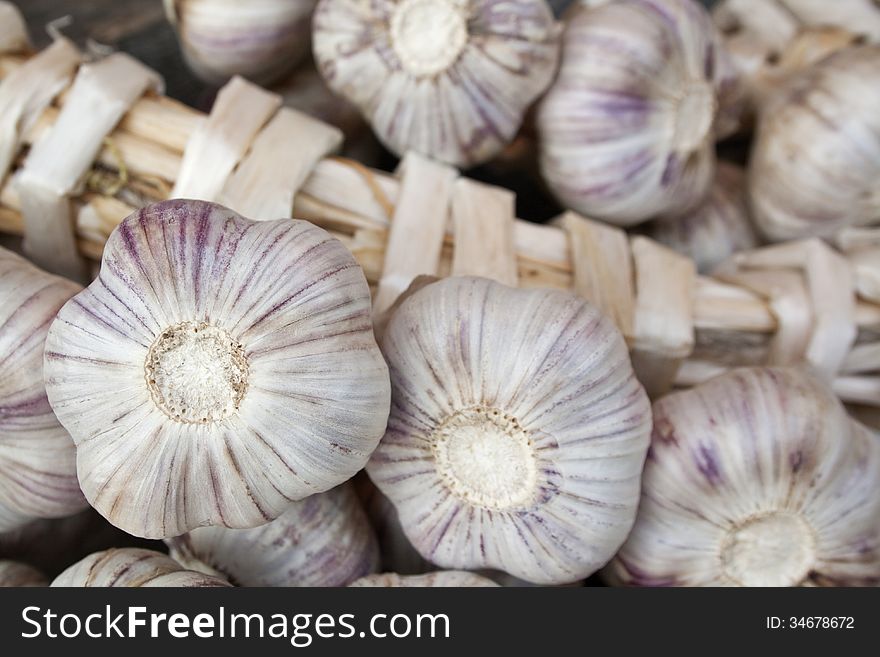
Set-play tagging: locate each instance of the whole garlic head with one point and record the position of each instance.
(717, 228)
(257, 39)
(815, 163)
(756, 478)
(37, 455)
(627, 130)
(217, 370)
(517, 432)
(451, 79)
(323, 540)
(439, 579)
(132, 567)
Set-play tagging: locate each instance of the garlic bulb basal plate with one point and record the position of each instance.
(517, 432)
(451, 79)
(132, 568)
(627, 130)
(756, 478)
(37, 455)
(323, 540)
(217, 370)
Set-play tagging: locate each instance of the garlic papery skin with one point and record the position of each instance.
(815, 162)
(517, 432)
(217, 370)
(627, 130)
(756, 478)
(439, 579)
(257, 39)
(719, 227)
(14, 574)
(132, 568)
(450, 79)
(37, 455)
(323, 540)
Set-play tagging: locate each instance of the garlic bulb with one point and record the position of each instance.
(132, 567)
(217, 370)
(717, 228)
(756, 478)
(815, 163)
(37, 457)
(451, 79)
(517, 431)
(323, 540)
(859, 16)
(627, 129)
(257, 39)
(443, 578)
(13, 573)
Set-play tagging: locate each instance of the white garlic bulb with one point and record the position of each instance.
(323, 540)
(627, 130)
(13, 573)
(517, 432)
(442, 578)
(451, 79)
(719, 227)
(132, 567)
(858, 16)
(257, 39)
(217, 370)
(815, 163)
(37, 456)
(756, 478)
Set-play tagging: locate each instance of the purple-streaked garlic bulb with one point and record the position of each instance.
(217, 370)
(451, 79)
(756, 478)
(257, 39)
(37, 455)
(815, 163)
(439, 579)
(627, 131)
(323, 540)
(717, 228)
(14, 574)
(517, 433)
(132, 568)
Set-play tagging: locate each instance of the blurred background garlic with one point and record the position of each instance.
(815, 162)
(517, 433)
(257, 39)
(217, 370)
(13, 573)
(756, 478)
(627, 130)
(768, 43)
(442, 578)
(451, 79)
(717, 228)
(132, 568)
(37, 456)
(323, 540)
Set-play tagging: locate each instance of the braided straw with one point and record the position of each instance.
(798, 302)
